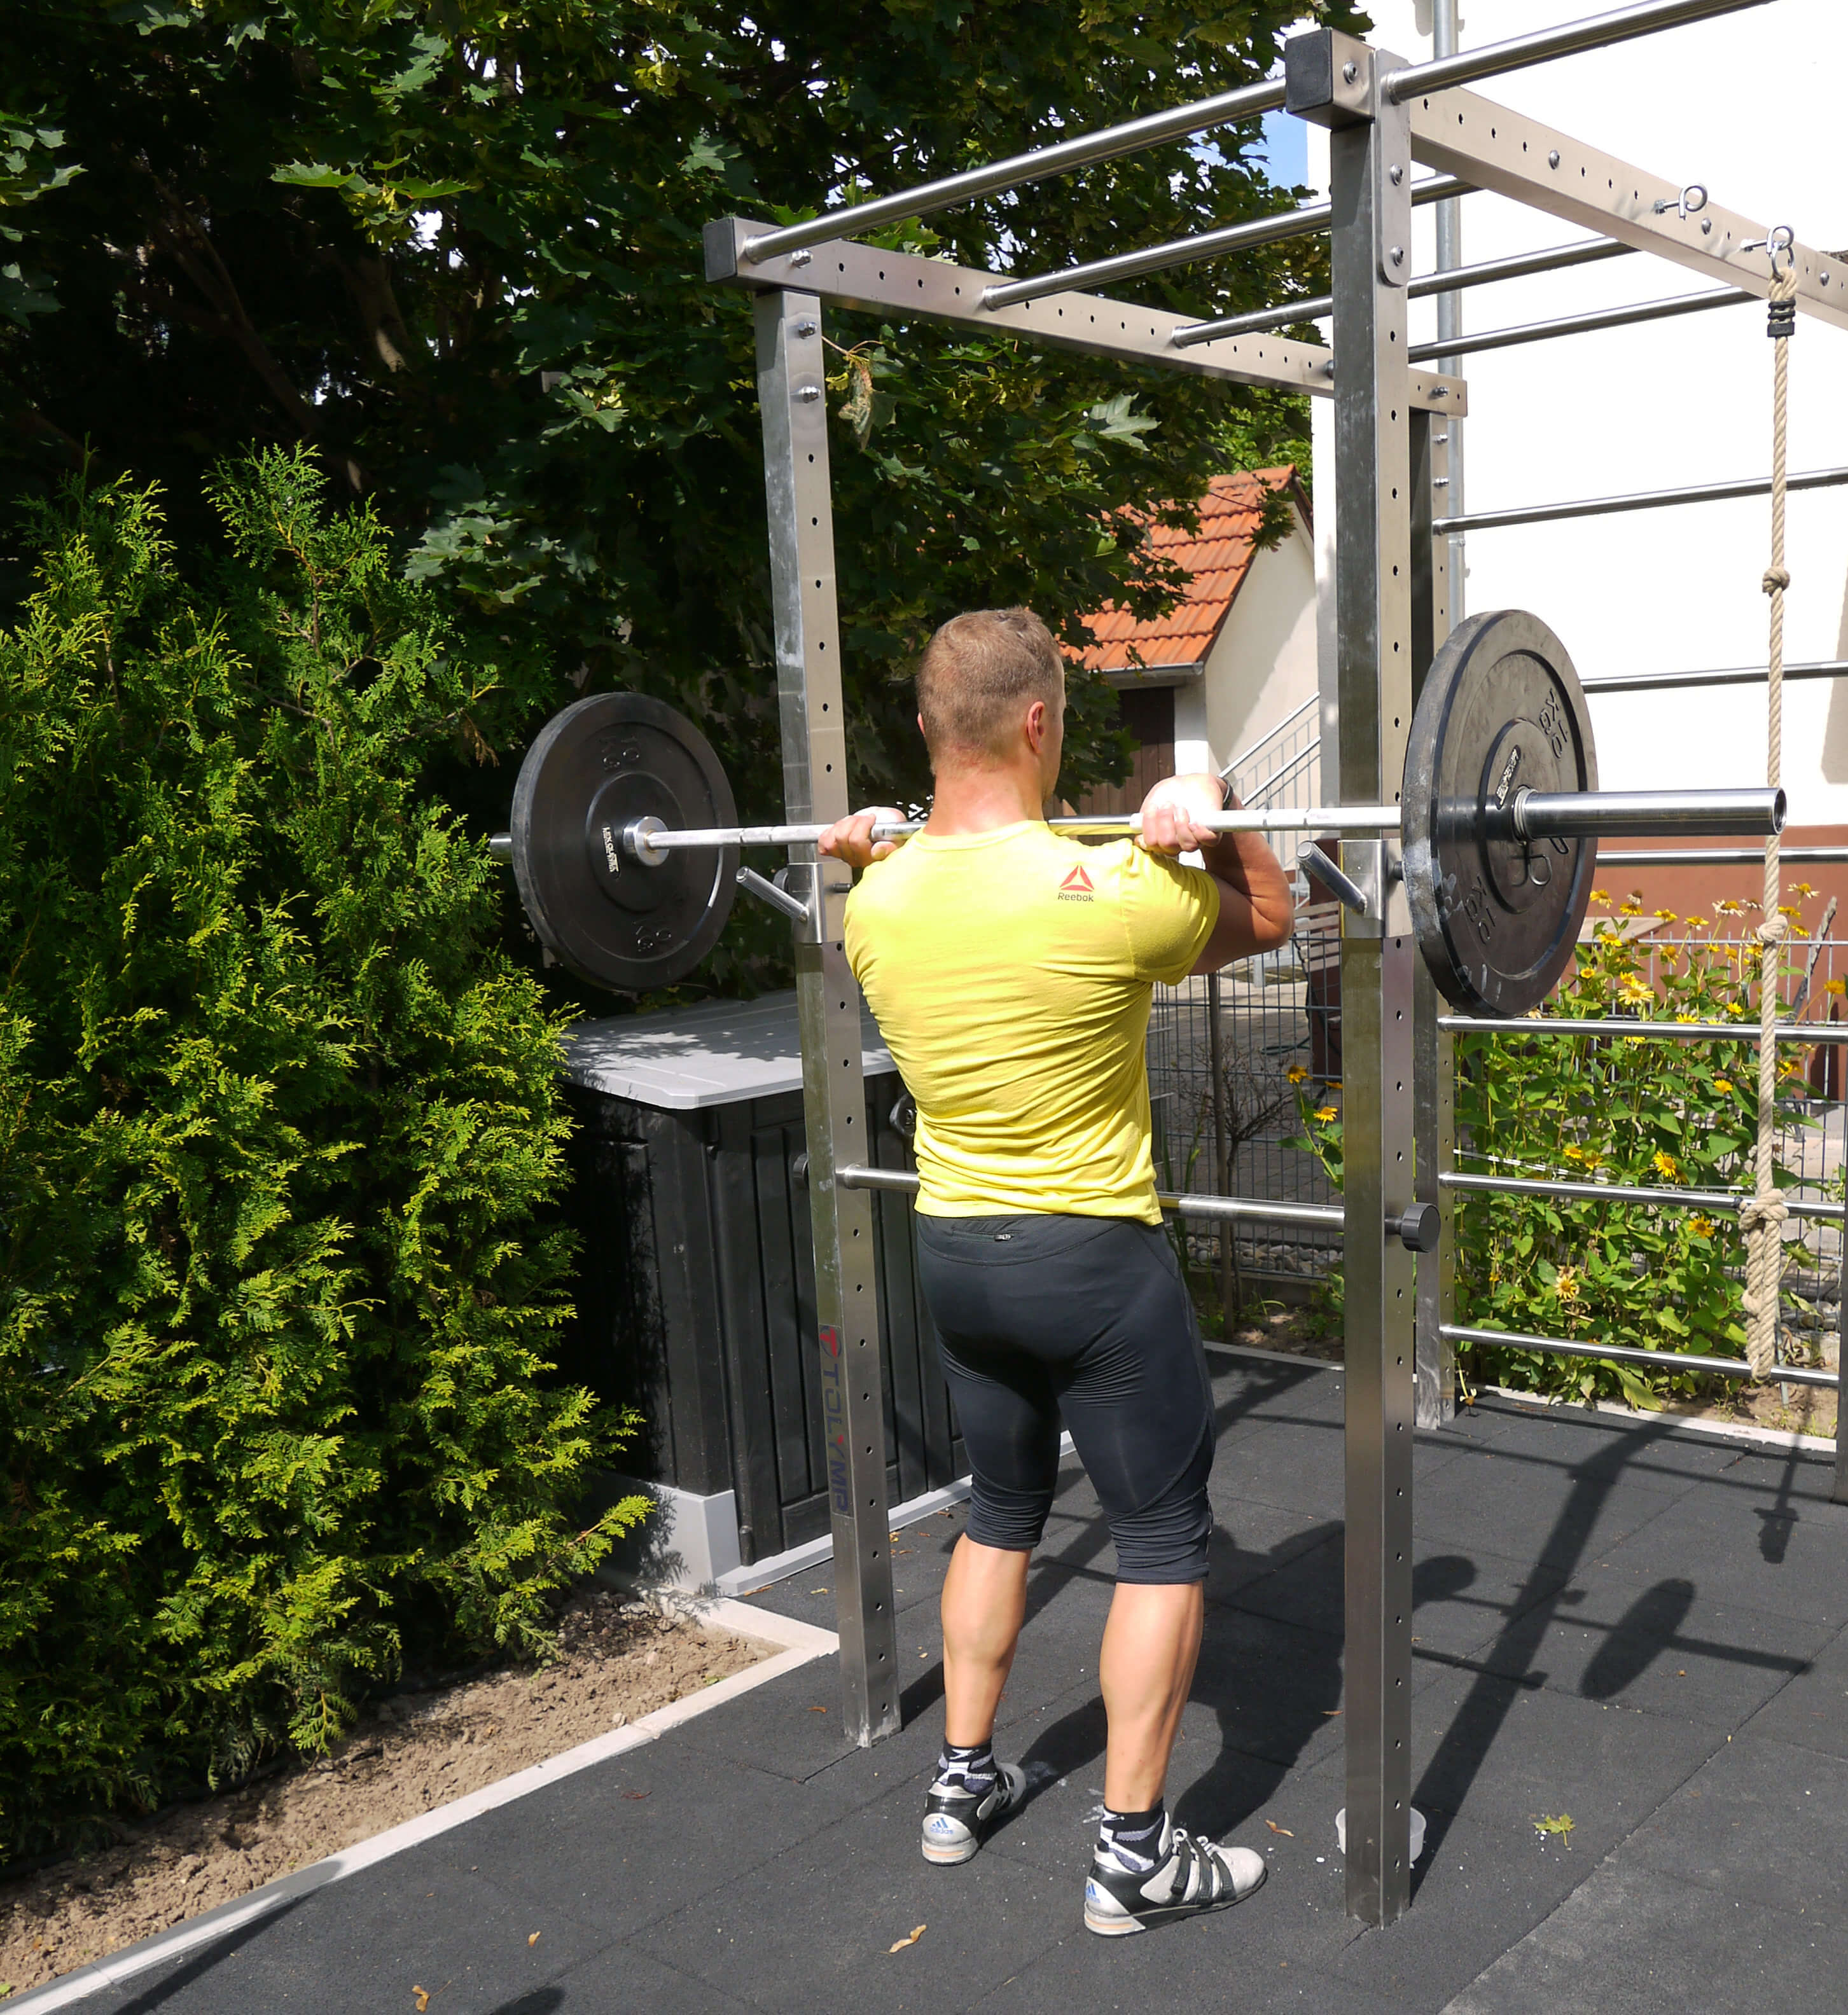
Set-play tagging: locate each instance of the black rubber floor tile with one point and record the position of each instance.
(1650, 1448)
(1662, 1648)
(368, 1943)
(1279, 1462)
(815, 1932)
(792, 1727)
(1265, 1955)
(1269, 1689)
(1505, 1756)
(625, 1981)
(1631, 1941)
(1803, 1477)
(1252, 1542)
(1786, 1556)
(1510, 1505)
(636, 1838)
(1812, 1711)
(1462, 1600)
(1477, 1890)
(1764, 1822)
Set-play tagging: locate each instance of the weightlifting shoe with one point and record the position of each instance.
(957, 1820)
(1189, 1875)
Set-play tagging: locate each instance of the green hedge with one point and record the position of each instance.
(279, 1137)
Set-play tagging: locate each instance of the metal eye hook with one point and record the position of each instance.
(1782, 239)
(1691, 201)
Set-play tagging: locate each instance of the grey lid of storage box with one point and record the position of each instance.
(719, 1053)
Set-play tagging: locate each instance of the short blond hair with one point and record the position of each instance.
(978, 672)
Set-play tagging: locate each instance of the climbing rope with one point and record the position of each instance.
(1761, 1221)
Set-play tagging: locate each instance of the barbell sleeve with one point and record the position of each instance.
(1645, 814)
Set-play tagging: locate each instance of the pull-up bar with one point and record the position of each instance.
(1179, 122)
(1645, 500)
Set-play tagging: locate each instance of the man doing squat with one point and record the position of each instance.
(1010, 968)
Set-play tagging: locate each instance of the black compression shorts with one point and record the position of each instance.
(1087, 1318)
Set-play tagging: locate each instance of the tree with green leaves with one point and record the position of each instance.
(455, 249)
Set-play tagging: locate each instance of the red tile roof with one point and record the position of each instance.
(1218, 556)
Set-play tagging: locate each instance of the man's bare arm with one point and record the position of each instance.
(1256, 912)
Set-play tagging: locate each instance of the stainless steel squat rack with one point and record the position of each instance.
(1391, 611)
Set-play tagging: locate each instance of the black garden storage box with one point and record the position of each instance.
(696, 1294)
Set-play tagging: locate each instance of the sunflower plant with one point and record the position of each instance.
(1634, 1110)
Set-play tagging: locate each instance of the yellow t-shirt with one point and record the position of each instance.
(1011, 972)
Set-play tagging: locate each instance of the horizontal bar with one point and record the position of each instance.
(1624, 1028)
(907, 286)
(1449, 282)
(1581, 325)
(1234, 1210)
(1623, 1353)
(1618, 814)
(1324, 818)
(1646, 500)
(1596, 31)
(1719, 856)
(1495, 148)
(1549, 1186)
(1722, 675)
(1189, 251)
(1083, 150)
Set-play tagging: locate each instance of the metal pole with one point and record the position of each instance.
(1646, 500)
(1598, 31)
(1222, 1158)
(1229, 1209)
(1334, 80)
(1840, 1493)
(1313, 306)
(1627, 1029)
(790, 371)
(1645, 814)
(1625, 1353)
(1434, 1070)
(1718, 856)
(1084, 151)
(1448, 349)
(1444, 44)
(1624, 1193)
(1311, 216)
(1722, 675)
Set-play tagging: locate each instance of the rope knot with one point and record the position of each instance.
(1759, 1214)
(1776, 580)
(1773, 930)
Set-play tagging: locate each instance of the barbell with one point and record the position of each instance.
(625, 844)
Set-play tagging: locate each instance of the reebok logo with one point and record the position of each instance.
(1076, 888)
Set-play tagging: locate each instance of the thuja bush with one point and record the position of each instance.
(278, 1141)
(1631, 1110)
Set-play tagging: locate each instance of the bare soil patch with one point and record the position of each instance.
(617, 1660)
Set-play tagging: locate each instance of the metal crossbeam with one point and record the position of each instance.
(1641, 500)
(1516, 156)
(1623, 1353)
(1580, 324)
(852, 275)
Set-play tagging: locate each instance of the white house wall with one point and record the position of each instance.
(1750, 105)
(1263, 664)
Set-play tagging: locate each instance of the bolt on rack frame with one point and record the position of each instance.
(1392, 609)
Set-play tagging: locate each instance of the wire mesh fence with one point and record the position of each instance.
(1236, 1058)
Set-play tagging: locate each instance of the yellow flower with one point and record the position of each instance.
(1701, 1226)
(1666, 917)
(1803, 889)
(1837, 986)
(1733, 1008)
(1684, 1018)
(1636, 990)
(1631, 909)
(1601, 895)
(1667, 1167)
(1697, 923)
(1786, 910)
(1723, 1084)
(1572, 1152)
(1727, 909)
(1567, 1283)
(1295, 1074)
(1325, 1113)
